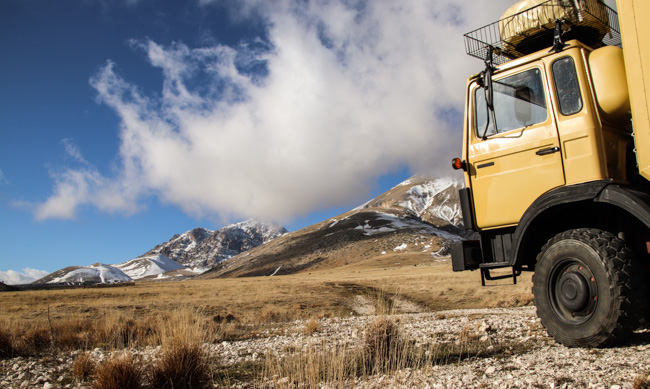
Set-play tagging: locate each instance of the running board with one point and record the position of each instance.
(485, 272)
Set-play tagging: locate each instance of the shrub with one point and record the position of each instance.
(120, 372)
(182, 366)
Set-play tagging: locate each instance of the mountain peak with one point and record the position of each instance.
(202, 248)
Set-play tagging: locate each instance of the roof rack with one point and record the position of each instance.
(590, 21)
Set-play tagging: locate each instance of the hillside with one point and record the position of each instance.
(414, 221)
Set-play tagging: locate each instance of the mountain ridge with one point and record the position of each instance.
(198, 250)
(418, 217)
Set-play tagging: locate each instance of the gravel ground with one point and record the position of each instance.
(530, 359)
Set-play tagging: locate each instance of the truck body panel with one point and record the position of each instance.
(635, 32)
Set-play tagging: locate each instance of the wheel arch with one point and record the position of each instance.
(621, 210)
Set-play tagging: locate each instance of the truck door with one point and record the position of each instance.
(515, 160)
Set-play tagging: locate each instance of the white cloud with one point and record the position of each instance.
(12, 277)
(73, 151)
(353, 90)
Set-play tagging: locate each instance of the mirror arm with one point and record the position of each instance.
(489, 91)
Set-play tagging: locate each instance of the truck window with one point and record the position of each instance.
(566, 86)
(519, 101)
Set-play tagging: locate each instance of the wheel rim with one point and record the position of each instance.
(573, 291)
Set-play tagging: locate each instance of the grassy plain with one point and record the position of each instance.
(390, 283)
(181, 315)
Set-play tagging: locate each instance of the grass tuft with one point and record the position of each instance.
(384, 344)
(182, 366)
(312, 326)
(641, 381)
(119, 372)
(84, 367)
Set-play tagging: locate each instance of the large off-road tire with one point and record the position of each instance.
(583, 290)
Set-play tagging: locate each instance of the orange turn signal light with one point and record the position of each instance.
(458, 163)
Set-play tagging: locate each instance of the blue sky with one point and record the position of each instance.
(125, 122)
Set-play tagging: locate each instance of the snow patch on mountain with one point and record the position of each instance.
(430, 197)
(97, 273)
(386, 222)
(150, 265)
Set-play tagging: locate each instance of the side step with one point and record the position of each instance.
(485, 272)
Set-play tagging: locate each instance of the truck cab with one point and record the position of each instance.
(552, 178)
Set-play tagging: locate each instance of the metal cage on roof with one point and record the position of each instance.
(514, 36)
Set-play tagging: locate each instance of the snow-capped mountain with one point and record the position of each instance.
(147, 266)
(98, 273)
(202, 248)
(183, 255)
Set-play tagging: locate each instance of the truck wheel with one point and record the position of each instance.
(582, 288)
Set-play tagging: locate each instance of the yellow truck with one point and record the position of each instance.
(556, 161)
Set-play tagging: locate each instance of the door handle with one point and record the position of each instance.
(548, 151)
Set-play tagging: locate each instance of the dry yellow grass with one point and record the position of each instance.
(383, 350)
(223, 308)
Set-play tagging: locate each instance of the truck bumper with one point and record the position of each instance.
(466, 255)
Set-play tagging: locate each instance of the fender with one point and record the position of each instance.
(629, 199)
